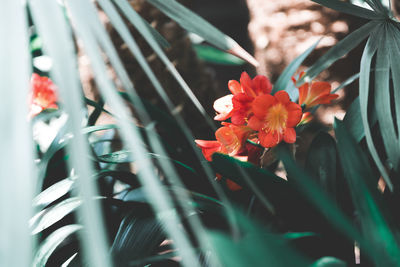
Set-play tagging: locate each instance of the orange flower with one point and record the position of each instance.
(230, 140)
(237, 105)
(275, 117)
(43, 94)
(315, 93)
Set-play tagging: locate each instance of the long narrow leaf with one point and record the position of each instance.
(365, 195)
(382, 102)
(194, 23)
(366, 60)
(137, 22)
(393, 46)
(17, 178)
(129, 133)
(320, 199)
(50, 244)
(58, 43)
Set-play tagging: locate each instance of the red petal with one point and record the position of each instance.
(207, 143)
(282, 97)
(324, 99)
(261, 104)
(241, 100)
(247, 84)
(268, 139)
(294, 114)
(238, 117)
(262, 85)
(319, 88)
(234, 87)
(208, 148)
(289, 136)
(255, 123)
(303, 93)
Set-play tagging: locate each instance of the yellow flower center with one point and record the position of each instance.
(276, 118)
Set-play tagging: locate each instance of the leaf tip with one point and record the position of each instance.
(238, 51)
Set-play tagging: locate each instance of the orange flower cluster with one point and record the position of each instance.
(43, 95)
(257, 115)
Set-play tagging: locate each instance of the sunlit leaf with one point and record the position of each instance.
(348, 8)
(49, 245)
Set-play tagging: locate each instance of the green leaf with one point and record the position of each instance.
(51, 215)
(213, 55)
(256, 247)
(58, 43)
(92, 38)
(54, 192)
(340, 49)
(99, 108)
(353, 120)
(383, 105)
(321, 162)
(49, 245)
(136, 20)
(350, 9)
(138, 237)
(366, 198)
(347, 82)
(394, 48)
(317, 197)
(365, 68)
(157, 36)
(285, 78)
(378, 7)
(18, 176)
(126, 156)
(195, 24)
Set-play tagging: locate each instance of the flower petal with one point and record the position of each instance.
(324, 99)
(289, 136)
(234, 87)
(303, 93)
(247, 84)
(229, 139)
(255, 123)
(238, 117)
(268, 139)
(261, 104)
(262, 85)
(207, 143)
(282, 97)
(223, 106)
(319, 88)
(294, 114)
(208, 148)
